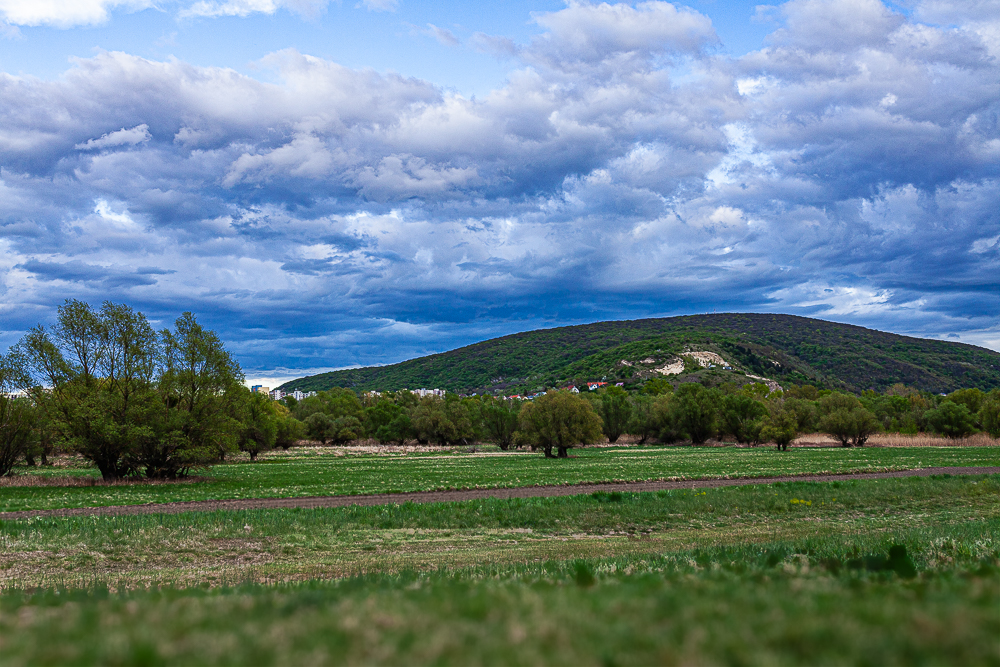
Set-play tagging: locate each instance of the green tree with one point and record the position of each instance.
(971, 398)
(17, 415)
(289, 430)
(99, 367)
(657, 386)
(128, 400)
(951, 419)
(615, 411)
(559, 420)
(989, 413)
(668, 429)
(742, 417)
(644, 423)
(780, 426)
(258, 424)
(201, 385)
(389, 422)
(695, 411)
(847, 420)
(443, 421)
(806, 413)
(499, 420)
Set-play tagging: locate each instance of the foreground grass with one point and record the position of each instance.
(218, 548)
(311, 474)
(808, 601)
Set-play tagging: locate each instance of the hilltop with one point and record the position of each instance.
(782, 348)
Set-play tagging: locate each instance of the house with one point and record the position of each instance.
(594, 386)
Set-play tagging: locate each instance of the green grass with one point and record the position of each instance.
(803, 601)
(293, 544)
(309, 474)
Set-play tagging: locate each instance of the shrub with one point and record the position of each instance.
(846, 420)
(954, 420)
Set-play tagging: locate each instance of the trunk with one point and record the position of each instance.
(562, 452)
(503, 448)
(253, 456)
(29, 460)
(548, 453)
(108, 472)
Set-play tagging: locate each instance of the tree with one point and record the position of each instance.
(319, 426)
(954, 420)
(289, 430)
(443, 421)
(668, 429)
(805, 411)
(971, 398)
(780, 426)
(694, 409)
(99, 368)
(615, 411)
(559, 420)
(128, 400)
(644, 423)
(657, 386)
(17, 415)
(989, 413)
(499, 420)
(343, 412)
(846, 420)
(201, 385)
(743, 417)
(258, 424)
(388, 422)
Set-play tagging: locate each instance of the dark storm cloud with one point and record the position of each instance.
(849, 170)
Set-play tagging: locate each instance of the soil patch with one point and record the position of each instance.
(312, 502)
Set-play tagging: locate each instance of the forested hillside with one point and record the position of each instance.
(783, 348)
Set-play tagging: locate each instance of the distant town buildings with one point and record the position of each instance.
(429, 392)
(277, 394)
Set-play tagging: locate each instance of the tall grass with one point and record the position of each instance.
(808, 601)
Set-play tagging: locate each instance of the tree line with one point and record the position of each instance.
(134, 401)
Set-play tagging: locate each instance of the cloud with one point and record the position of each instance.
(64, 13)
(244, 8)
(379, 5)
(442, 35)
(501, 47)
(136, 135)
(624, 169)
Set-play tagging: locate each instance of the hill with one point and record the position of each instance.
(782, 348)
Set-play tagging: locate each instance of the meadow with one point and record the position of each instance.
(324, 471)
(898, 571)
(862, 571)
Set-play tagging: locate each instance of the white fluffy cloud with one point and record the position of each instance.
(850, 173)
(64, 13)
(244, 8)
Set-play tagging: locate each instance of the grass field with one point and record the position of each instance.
(794, 573)
(318, 472)
(879, 572)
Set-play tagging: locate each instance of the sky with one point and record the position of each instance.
(332, 184)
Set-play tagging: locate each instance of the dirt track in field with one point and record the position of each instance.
(312, 502)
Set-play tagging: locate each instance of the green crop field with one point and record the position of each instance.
(319, 472)
(895, 571)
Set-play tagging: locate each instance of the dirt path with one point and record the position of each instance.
(471, 494)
